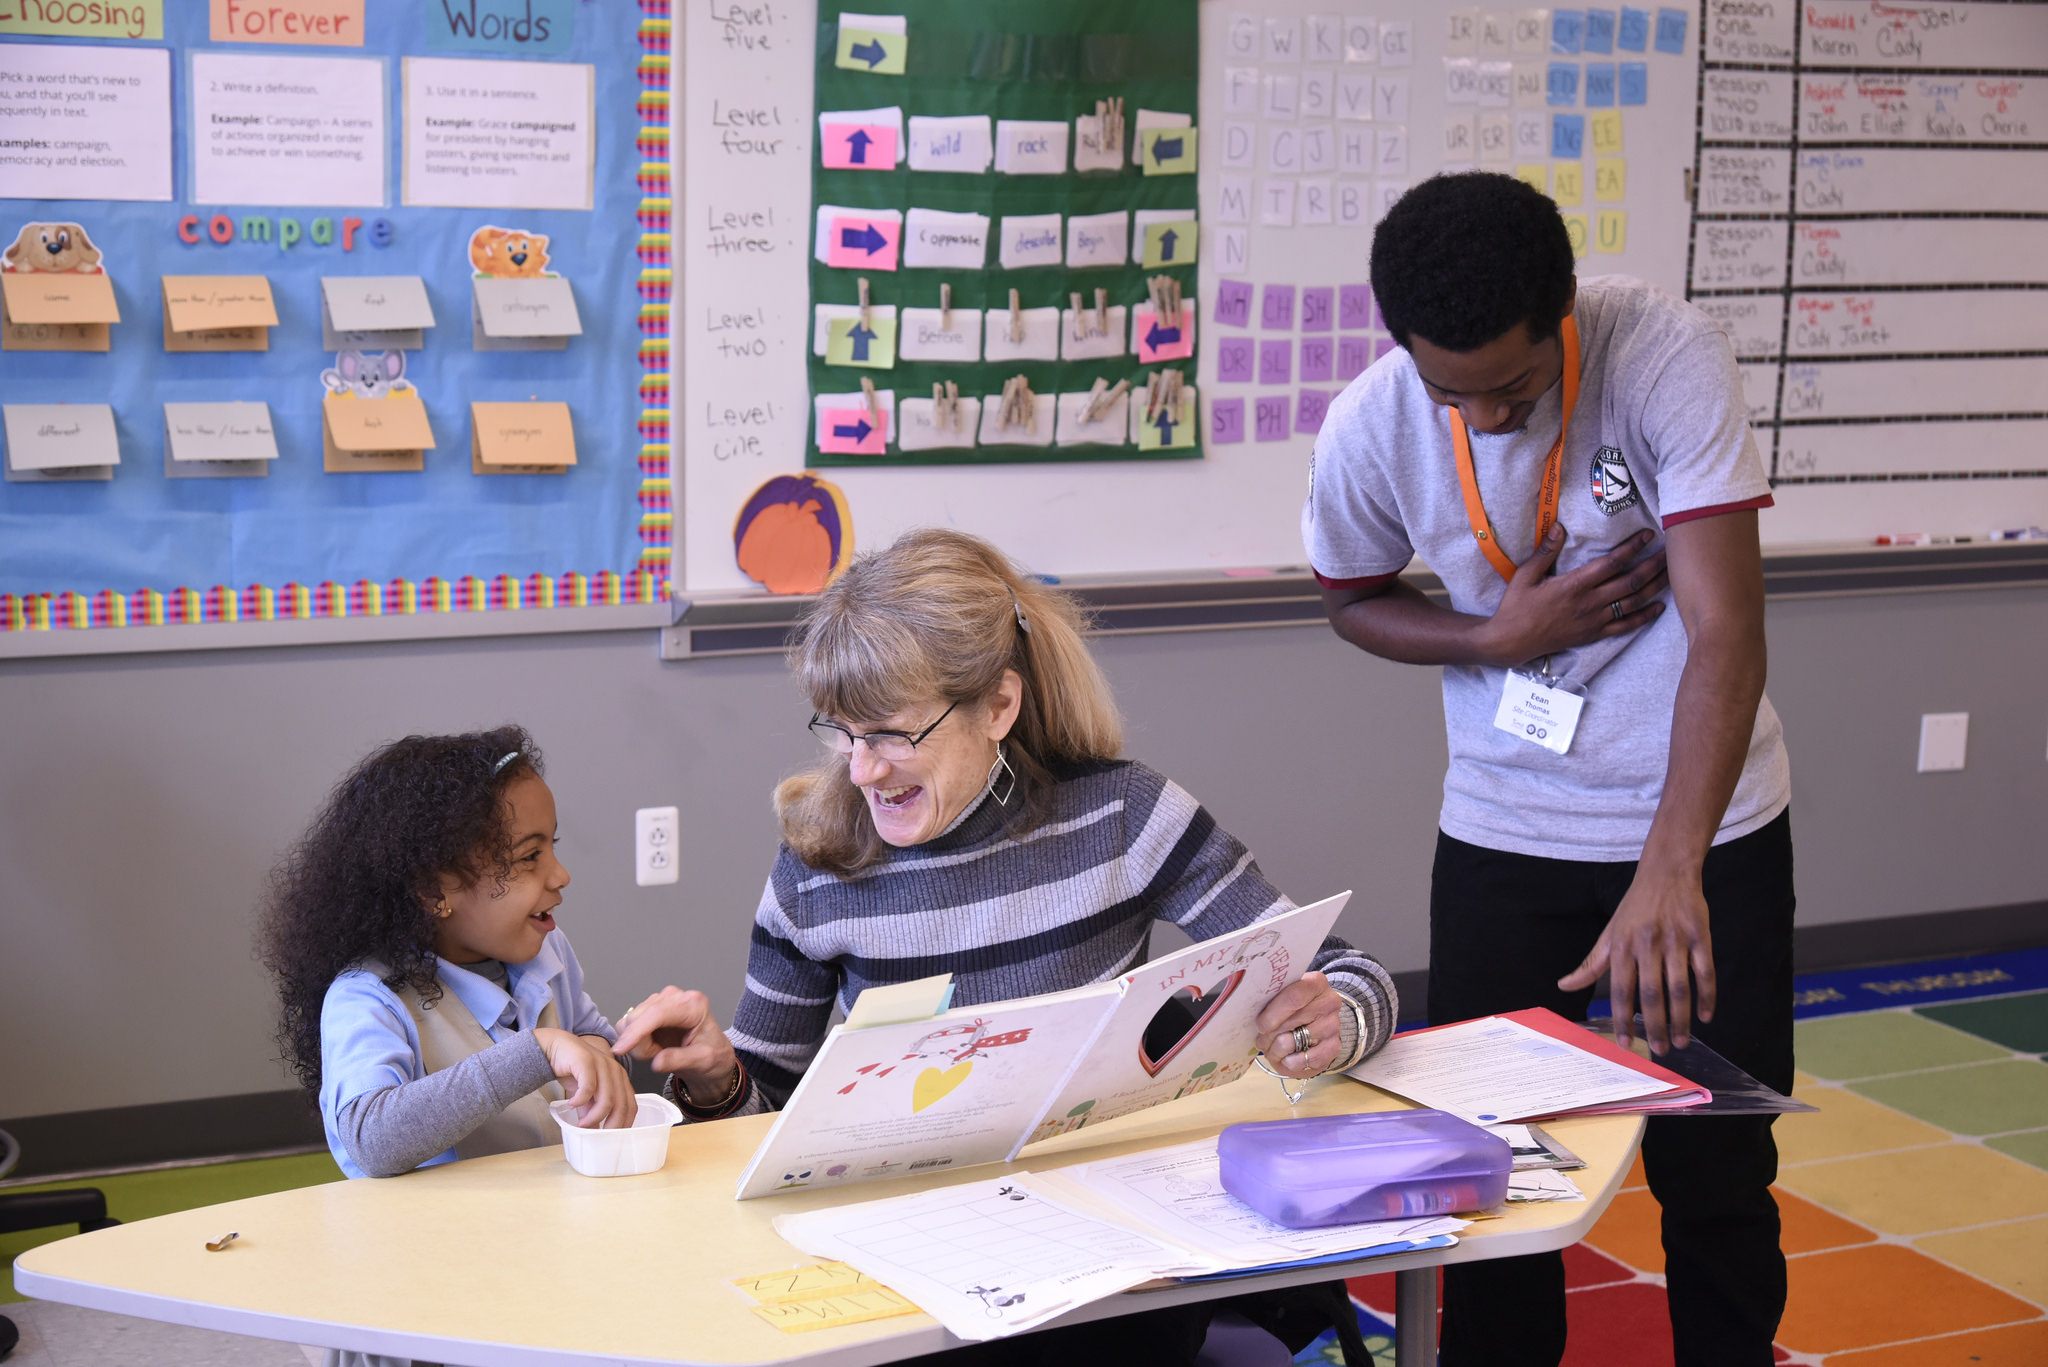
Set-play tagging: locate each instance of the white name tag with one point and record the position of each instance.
(1543, 716)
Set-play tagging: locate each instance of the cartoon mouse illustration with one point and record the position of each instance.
(366, 375)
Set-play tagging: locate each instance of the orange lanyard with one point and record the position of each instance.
(1553, 470)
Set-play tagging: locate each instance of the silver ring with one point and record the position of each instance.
(1303, 1040)
(1615, 608)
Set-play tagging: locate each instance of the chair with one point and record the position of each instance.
(85, 1207)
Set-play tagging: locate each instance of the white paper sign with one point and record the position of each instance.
(962, 144)
(1031, 147)
(1038, 340)
(922, 430)
(1030, 240)
(84, 122)
(1036, 431)
(268, 129)
(219, 431)
(935, 238)
(1098, 239)
(1109, 341)
(543, 307)
(923, 335)
(1076, 429)
(492, 135)
(1089, 153)
(60, 436)
(375, 303)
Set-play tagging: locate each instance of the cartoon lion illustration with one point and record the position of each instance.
(507, 253)
(52, 249)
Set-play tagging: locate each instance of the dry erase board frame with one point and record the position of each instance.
(1024, 59)
(146, 550)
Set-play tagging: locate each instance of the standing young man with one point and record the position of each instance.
(1574, 461)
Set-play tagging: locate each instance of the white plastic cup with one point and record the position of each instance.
(619, 1153)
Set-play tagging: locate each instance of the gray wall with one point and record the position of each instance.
(143, 797)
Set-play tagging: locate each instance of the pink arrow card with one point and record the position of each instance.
(863, 243)
(858, 147)
(1157, 339)
(852, 432)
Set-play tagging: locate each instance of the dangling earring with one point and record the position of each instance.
(1001, 766)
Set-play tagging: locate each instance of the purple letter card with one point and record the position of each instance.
(1226, 421)
(1233, 360)
(1234, 303)
(1276, 359)
(1277, 312)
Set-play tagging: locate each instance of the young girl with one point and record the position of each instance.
(429, 1002)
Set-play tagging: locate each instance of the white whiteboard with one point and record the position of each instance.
(741, 318)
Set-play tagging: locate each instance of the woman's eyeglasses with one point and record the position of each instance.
(889, 745)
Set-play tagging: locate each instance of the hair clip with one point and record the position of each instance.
(1022, 624)
(505, 759)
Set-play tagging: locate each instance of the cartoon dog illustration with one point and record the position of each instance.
(508, 254)
(366, 375)
(53, 249)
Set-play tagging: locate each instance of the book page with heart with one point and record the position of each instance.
(1187, 1022)
(947, 1091)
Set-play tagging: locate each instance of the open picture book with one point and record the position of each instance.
(906, 1085)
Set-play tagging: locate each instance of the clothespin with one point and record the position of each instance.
(1100, 400)
(866, 320)
(1080, 319)
(1162, 392)
(874, 400)
(1109, 116)
(1101, 312)
(946, 308)
(953, 404)
(1016, 317)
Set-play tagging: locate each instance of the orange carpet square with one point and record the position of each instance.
(1631, 1231)
(1806, 1228)
(2017, 1345)
(1881, 1293)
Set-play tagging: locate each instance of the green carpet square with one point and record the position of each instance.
(1880, 1042)
(2019, 1023)
(2030, 1147)
(1986, 1099)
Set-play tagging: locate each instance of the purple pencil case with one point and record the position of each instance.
(1347, 1169)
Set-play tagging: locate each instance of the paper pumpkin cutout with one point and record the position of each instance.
(1179, 1019)
(794, 535)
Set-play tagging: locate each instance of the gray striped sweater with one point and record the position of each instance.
(1068, 903)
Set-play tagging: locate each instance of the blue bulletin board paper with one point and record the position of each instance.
(299, 524)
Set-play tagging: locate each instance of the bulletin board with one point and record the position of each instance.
(145, 548)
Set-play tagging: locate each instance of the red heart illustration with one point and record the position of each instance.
(1179, 1019)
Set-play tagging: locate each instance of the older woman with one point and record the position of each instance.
(972, 817)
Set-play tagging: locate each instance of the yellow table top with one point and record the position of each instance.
(519, 1260)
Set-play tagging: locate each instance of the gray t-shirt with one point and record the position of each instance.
(1660, 435)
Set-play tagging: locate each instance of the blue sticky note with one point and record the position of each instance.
(1567, 135)
(1563, 85)
(1567, 31)
(1599, 30)
(1635, 82)
(1599, 85)
(1633, 34)
(1671, 31)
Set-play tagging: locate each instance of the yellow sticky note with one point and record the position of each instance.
(870, 345)
(804, 1283)
(1568, 182)
(1167, 151)
(1580, 231)
(829, 1312)
(1165, 431)
(1534, 173)
(863, 49)
(1610, 179)
(1611, 232)
(1606, 132)
(1170, 244)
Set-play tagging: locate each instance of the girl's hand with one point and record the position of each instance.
(598, 1085)
(1309, 1001)
(674, 1031)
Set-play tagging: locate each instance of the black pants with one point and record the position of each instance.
(1503, 928)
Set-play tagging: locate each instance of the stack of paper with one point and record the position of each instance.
(1524, 1066)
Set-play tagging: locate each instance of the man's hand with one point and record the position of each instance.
(1658, 949)
(675, 1032)
(1543, 612)
(1309, 1001)
(599, 1087)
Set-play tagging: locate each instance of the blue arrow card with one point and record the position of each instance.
(1167, 151)
(1170, 244)
(871, 345)
(872, 49)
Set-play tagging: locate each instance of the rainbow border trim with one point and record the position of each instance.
(647, 582)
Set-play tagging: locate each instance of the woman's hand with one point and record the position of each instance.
(1309, 1001)
(598, 1085)
(674, 1031)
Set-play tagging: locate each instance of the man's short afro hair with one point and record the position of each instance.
(1461, 259)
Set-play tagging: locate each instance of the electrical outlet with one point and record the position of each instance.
(657, 832)
(1944, 741)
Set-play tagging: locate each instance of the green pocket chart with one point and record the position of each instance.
(999, 217)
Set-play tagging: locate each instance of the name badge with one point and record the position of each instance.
(1539, 713)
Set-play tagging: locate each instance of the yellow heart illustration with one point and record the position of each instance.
(934, 1083)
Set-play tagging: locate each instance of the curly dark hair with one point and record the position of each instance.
(1460, 259)
(361, 881)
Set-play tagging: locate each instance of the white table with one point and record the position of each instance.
(516, 1261)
